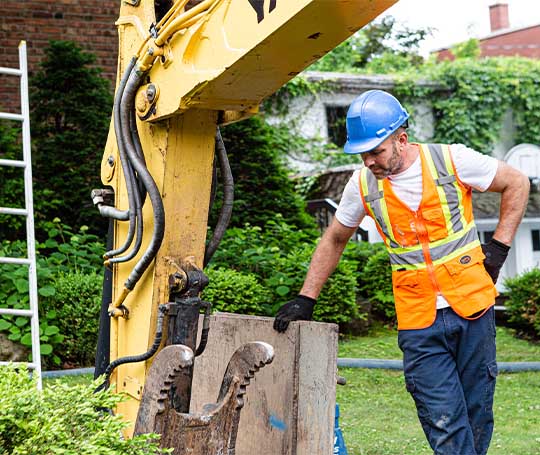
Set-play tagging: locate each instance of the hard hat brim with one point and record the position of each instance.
(363, 146)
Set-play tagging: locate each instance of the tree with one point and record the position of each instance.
(262, 187)
(376, 40)
(70, 110)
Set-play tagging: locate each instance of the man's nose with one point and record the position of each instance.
(368, 160)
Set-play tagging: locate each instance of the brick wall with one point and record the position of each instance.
(524, 42)
(89, 23)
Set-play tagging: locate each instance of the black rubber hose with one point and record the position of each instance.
(228, 199)
(136, 187)
(128, 172)
(162, 311)
(136, 140)
(206, 328)
(128, 103)
(103, 347)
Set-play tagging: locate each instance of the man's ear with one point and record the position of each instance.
(403, 138)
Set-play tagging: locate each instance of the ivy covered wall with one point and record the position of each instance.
(489, 104)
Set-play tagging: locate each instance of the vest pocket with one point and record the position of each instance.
(467, 272)
(435, 223)
(414, 307)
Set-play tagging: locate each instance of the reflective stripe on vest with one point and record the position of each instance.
(462, 235)
(376, 205)
(442, 171)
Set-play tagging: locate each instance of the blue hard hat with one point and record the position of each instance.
(371, 118)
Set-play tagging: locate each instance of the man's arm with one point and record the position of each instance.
(326, 257)
(514, 188)
(323, 263)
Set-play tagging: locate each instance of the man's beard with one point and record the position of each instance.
(394, 165)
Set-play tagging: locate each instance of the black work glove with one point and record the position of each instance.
(496, 253)
(298, 309)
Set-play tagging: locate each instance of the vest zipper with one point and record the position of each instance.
(424, 241)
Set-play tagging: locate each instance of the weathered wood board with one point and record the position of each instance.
(290, 404)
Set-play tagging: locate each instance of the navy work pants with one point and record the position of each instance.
(450, 371)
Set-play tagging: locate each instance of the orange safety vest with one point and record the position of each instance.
(434, 250)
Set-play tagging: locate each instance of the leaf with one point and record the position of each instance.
(21, 285)
(51, 243)
(26, 340)
(51, 330)
(45, 349)
(21, 321)
(4, 325)
(47, 291)
(14, 336)
(51, 314)
(282, 290)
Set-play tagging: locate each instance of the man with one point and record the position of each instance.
(443, 280)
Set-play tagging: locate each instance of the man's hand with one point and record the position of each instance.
(496, 253)
(298, 309)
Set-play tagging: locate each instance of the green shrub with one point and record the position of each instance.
(62, 252)
(337, 301)
(523, 303)
(62, 419)
(376, 285)
(77, 303)
(255, 248)
(278, 254)
(236, 292)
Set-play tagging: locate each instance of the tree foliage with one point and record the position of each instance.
(471, 96)
(70, 110)
(262, 188)
(379, 39)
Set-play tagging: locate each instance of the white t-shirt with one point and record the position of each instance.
(472, 168)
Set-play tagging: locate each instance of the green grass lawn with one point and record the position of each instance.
(378, 416)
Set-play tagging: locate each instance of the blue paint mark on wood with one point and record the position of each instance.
(277, 423)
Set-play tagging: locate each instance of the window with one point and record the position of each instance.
(535, 235)
(335, 119)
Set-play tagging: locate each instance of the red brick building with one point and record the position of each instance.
(504, 40)
(91, 24)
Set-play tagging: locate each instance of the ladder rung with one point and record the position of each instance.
(12, 163)
(22, 261)
(30, 365)
(12, 211)
(15, 312)
(10, 71)
(8, 116)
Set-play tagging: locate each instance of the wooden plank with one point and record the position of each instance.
(289, 405)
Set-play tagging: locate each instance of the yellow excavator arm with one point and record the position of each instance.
(185, 67)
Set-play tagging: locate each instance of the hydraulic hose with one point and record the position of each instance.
(162, 311)
(127, 104)
(128, 172)
(205, 329)
(139, 192)
(228, 199)
(136, 140)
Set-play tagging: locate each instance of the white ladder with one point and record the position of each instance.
(27, 211)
